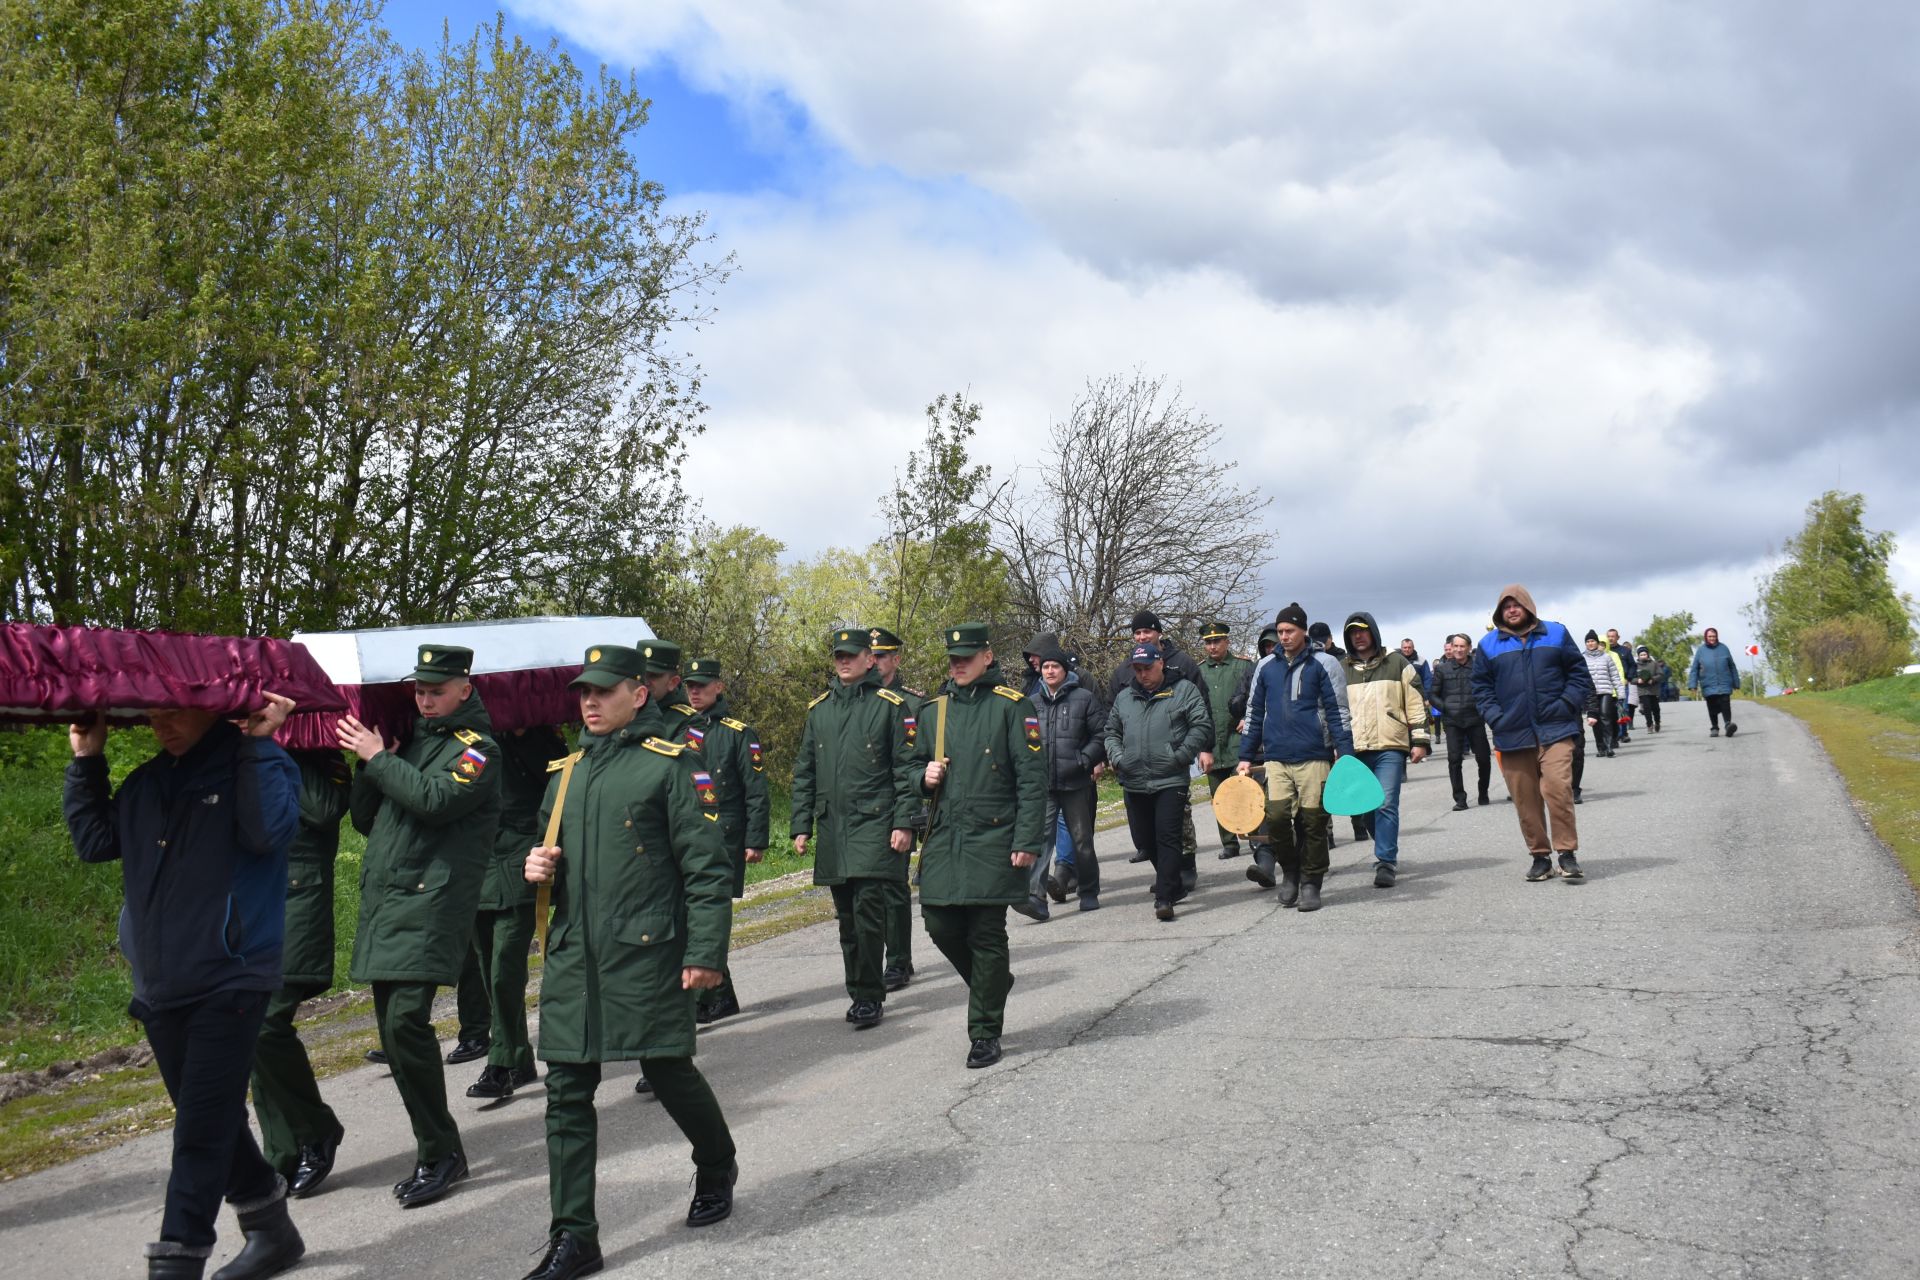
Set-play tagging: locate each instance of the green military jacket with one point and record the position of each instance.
(325, 781)
(1228, 682)
(523, 785)
(994, 798)
(430, 812)
(642, 891)
(730, 750)
(856, 778)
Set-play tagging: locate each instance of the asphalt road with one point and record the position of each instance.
(1700, 1062)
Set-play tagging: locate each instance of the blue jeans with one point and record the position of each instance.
(1390, 767)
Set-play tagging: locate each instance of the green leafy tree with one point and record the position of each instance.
(1834, 568)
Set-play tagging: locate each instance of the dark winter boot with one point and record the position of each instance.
(1310, 894)
(171, 1260)
(273, 1244)
(1261, 872)
(1289, 886)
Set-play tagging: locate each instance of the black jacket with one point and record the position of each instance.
(1452, 692)
(1072, 725)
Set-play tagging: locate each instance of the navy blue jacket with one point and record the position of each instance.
(202, 842)
(1294, 713)
(1532, 688)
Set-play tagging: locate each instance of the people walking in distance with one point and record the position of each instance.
(1603, 704)
(1228, 678)
(1388, 706)
(1452, 692)
(1158, 728)
(856, 794)
(1712, 673)
(897, 972)
(1631, 698)
(987, 822)
(1531, 685)
(1421, 668)
(1650, 675)
(1073, 725)
(1297, 723)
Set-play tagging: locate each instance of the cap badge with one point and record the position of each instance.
(594, 656)
(956, 635)
(426, 656)
(647, 652)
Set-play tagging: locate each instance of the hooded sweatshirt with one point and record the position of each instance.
(1529, 681)
(1385, 695)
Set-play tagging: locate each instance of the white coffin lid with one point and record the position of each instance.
(381, 655)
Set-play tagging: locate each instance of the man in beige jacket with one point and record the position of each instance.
(1389, 710)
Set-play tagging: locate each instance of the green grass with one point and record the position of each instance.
(1872, 733)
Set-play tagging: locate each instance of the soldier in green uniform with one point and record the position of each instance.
(898, 971)
(504, 928)
(729, 750)
(856, 784)
(299, 1133)
(987, 826)
(429, 812)
(641, 914)
(1228, 678)
(664, 692)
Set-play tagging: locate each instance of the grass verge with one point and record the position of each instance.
(1872, 733)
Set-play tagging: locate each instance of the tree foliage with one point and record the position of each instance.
(1670, 638)
(301, 330)
(1834, 569)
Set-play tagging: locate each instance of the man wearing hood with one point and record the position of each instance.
(1712, 672)
(1227, 678)
(1072, 726)
(430, 812)
(1158, 727)
(988, 825)
(1388, 703)
(1531, 686)
(1148, 629)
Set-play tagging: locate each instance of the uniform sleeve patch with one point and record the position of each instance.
(1033, 733)
(753, 749)
(696, 738)
(469, 766)
(703, 783)
(913, 730)
(1013, 695)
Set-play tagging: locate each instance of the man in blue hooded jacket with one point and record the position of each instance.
(1531, 686)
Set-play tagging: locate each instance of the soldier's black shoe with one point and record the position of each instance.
(469, 1050)
(1138, 856)
(984, 1053)
(1540, 870)
(171, 1260)
(314, 1163)
(567, 1258)
(864, 1014)
(643, 1086)
(1310, 893)
(725, 1005)
(431, 1181)
(494, 1082)
(1384, 874)
(713, 1195)
(521, 1077)
(377, 1054)
(1289, 887)
(897, 978)
(273, 1243)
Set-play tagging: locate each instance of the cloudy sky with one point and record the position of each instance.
(1595, 297)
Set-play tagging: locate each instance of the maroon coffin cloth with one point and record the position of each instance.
(56, 675)
(514, 700)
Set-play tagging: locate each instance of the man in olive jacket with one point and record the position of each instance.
(856, 785)
(429, 812)
(299, 1133)
(988, 823)
(898, 971)
(729, 750)
(641, 916)
(1158, 727)
(1226, 678)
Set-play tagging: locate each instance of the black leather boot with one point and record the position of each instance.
(1261, 872)
(273, 1243)
(1310, 893)
(1289, 886)
(171, 1260)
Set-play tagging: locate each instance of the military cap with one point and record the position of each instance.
(964, 639)
(884, 641)
(608, 664)
(852, 640)
(702, 670)
(662, 656)
(1215, 631)
(440, 663)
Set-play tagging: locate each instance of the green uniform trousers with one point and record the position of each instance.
(573, 1129)
(286, 1097)
(500, 941)
(899, 926)
(861, 906)
(1229, 842)
(470, 996)
(404, 1013)
(975, 940)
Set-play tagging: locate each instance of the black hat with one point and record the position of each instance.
(884, 641)
(852, 640)
(608, 664)
(1215, 631)
(1592, 634)
(1320, 631)
(1270, 632)
(1294, 615)
(702, 671)
(1147, 620)
(440, 663)
(663, 656)
(1054, 653)
(968, 638)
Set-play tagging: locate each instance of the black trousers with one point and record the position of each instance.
(1153, 820)
(1605, 709)
(205, 1052)
(1461, 739)
(1719, 706)
(1650, 708)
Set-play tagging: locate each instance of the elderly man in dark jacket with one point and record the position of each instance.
(1531, 686)
(1451, 690)
(1072, 726)
(1148, 629)
(201, 832)
(1158, 728)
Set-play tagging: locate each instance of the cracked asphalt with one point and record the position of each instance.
(1700, 1062)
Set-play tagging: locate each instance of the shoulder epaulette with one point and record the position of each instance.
(467, 737)
(734, 725)
(683, 710)
(664, 747)
(555, 766)
(918, 693)
(816, 702)
(891, 696)
(1012, 694)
